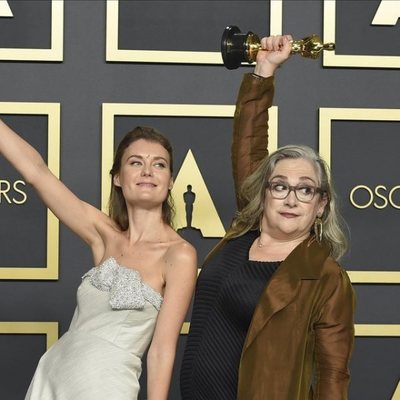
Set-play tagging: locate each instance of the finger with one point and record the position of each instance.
(277, 42)
(289, 37)
(287, 43)
(267, 43)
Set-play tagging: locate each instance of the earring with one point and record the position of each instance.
(318, 231)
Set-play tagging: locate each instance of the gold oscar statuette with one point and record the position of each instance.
(237, 47)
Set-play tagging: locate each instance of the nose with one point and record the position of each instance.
(146, 170)
(291, 199)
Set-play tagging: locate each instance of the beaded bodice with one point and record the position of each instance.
(126, 287)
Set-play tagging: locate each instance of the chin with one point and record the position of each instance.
(293, 233)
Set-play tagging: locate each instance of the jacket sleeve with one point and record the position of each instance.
(250, 127)
(334, 342)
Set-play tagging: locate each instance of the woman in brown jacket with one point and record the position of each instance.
(273, 311)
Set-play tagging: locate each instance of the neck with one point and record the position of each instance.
(277, 248)
(145, 225)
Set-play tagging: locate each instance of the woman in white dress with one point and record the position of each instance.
(139, 292)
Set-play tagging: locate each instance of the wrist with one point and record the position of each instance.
(265, 70)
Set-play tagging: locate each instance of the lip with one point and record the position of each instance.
(146, 184)
(288, 215)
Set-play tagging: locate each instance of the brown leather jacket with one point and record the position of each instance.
(300, 339)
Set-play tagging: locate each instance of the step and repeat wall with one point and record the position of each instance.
(76, 75)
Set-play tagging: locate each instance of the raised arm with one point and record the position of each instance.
(250, 130)
(76, 214)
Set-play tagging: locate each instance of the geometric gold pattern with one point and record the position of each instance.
(55, 52)
(113, 53)
(331, 59)
(50, 329)
(361, 330)
(50, 270)
(378, 330)
(326, 116)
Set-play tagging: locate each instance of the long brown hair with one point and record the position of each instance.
(117, 205)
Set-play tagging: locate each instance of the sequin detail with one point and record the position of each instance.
(127, 290)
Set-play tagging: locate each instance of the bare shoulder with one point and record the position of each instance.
(181, 252)
(180, 256)
(180, 268)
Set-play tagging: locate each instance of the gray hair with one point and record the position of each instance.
(252, 193)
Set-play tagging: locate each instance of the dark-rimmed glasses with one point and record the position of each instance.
(304, 193)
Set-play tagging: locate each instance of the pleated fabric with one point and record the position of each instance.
(227, 292)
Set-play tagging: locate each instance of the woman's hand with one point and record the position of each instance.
(275, 51)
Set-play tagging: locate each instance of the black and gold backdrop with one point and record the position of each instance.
(76, 75)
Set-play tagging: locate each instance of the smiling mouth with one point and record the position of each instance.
(146, 184)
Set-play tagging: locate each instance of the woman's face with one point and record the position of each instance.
(289, 218)
(145, 175)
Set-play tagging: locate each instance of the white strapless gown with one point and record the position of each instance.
(99, 357)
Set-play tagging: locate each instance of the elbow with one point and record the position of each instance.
(33, 174)
(158, 356)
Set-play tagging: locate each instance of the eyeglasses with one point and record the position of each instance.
(304, 193)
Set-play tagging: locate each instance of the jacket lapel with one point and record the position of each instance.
(304, 262)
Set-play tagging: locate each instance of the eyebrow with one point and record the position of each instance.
(301, 178)
(155, 158)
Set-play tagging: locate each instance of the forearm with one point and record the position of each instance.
(159, 373)
(25, 159)
(250, 141)
(250, 130)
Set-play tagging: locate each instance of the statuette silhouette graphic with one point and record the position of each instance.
(189, 197)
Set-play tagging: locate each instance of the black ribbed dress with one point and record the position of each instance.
(227, 292)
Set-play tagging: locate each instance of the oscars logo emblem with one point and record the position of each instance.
(195, 209)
